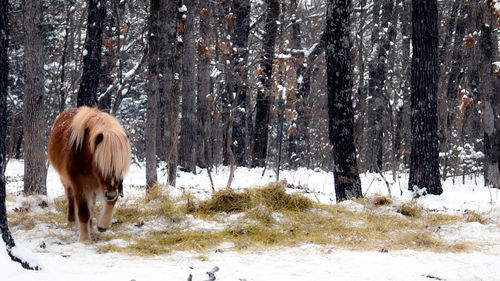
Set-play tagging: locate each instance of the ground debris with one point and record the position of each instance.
(211, 275)
(434, 277)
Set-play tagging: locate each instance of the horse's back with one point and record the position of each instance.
(59, 139)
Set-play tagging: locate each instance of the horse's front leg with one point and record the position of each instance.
(84, 219)
(107, 214)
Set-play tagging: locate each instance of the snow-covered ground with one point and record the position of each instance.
(77, 261)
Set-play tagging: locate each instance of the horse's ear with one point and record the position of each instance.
(98, 139)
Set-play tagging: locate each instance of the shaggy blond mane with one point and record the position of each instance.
(112, 154)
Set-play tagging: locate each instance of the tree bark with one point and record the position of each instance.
(454, 78)
(204, 89)
(402, 130)
(424, 157)
(240, 32)
(489, 88)
(4, 72)
(35, 171)
(153, 91)
(89, 84)
(340, 111)
(187, 147)
(168, 101)
(174, 95)
(298, 137)
(377, 74)
(264, 94)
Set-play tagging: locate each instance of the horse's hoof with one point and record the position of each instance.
(101, 229)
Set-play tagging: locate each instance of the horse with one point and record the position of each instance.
(91, 153)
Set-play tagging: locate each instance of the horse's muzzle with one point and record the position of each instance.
(110, 198)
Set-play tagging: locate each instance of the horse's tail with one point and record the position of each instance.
(108, 142)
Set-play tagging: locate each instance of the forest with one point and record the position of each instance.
(349, 87)
(243, 83)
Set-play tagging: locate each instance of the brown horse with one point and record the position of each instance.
(91, 152)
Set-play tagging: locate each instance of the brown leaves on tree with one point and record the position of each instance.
(201, 48)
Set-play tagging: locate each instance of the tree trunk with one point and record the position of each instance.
(35, 172)
(402, 139)
(377, 74)
(240, 32)
(340, 111)
(167, 66)
(153, 91)
(424, 157)
(203, 140)
(87, 94)
(4, 73)
(188, 107)
(173, 154)
(297, 140)
(489, 89)
(454, 78)
(264, 94)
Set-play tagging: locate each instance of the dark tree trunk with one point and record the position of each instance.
(89, 84)
(298, 137)
(153, 91)
(174, 96)
(489, 88)
(424, 157)
(203, 138)
(264, 94)
(167, 65)
(402, 139)
(454, 78)
(449, 33)
(35, 172)
(241, 10)
(340, 111)
(188, 107)
(377, 74)
(4, 72)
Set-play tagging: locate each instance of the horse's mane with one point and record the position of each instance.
(112, 150)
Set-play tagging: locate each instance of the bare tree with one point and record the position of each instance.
(4, 72)
(340, 110)
(424, 157)
(239, 35)
(264, 94)
(155, 30)
(175, 93)
(35, 171)
(378, 71)
(204, 86)
(187, 147)
(87, 94)
(489, 88)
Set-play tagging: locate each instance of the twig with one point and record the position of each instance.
(12, 125)
(210, 177)
(264, 171)
(386, 182)
(364, 195)
(491, 197)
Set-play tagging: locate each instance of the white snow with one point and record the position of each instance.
(183, 9)
(76, 261)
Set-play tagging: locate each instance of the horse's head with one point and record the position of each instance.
(112, 189)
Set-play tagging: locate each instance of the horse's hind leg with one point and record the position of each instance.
(71, 203)
(107, 215)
